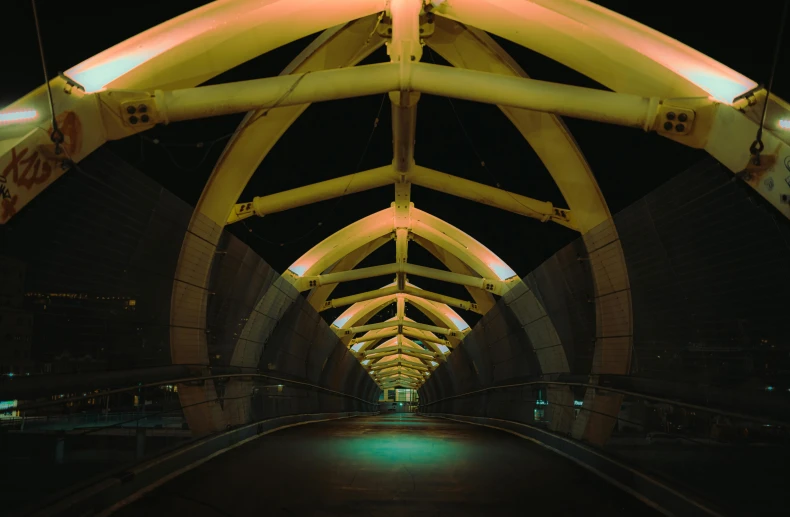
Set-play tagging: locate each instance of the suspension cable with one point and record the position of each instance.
(758, 146)
(56, 136)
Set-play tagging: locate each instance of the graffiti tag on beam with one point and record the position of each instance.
(28, 168)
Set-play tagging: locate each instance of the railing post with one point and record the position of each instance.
(60, 447)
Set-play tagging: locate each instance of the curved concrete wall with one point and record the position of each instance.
(706, 268)
(108, 234)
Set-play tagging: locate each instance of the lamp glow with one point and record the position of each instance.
(13, 117)
(784, 124)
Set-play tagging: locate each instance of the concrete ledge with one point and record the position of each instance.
(121, 487)
(647, 489)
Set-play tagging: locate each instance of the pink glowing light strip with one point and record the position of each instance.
(718, 80)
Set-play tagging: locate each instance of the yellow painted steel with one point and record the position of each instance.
(330, 189)
(488, 284)
(491, 196)
(320, 294)
(517, 92)
(404, 48)
(163, 67)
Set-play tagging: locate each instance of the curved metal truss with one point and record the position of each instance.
(655, 84)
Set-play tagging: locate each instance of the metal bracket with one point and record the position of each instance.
(674, 120)
(128, 112)
(139, 113)
(427, 26)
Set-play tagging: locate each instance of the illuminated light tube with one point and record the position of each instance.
(784, 124)
(13, 117)
(298, 270)
(339, 322)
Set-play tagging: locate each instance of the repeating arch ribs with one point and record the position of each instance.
(655, 84)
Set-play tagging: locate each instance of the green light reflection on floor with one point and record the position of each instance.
(393, 441)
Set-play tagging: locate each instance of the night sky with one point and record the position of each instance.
(331, 139)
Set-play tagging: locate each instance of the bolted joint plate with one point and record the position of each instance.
(128, 112)
(674, 120)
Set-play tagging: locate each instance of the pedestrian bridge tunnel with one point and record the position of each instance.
(553, 349)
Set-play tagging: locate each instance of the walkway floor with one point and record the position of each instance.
(390, 465)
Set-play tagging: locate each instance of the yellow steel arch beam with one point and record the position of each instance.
(613, 50)
(629, 57)
(380, 353)
(182, 53)
(440, 313)
(371, 339)
(483, 299)
(257, 134)
(205, 42)
(467, 250)
(472, 48)
(333, 248)
(320, 294)
(359, 313)
(397, 355)
(482, 260)
(636, 59)
(341, 243)
(639, 61)
(489, 284)
(382, 367)
(405, 322)
(393, 290)
(469, 47)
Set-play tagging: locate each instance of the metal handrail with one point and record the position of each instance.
(740, 416)
(39, 405)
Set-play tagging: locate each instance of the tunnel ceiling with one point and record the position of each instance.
(653, 82)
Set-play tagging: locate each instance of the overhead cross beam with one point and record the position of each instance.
(399, 323)
(373, 357)
(330, 189)
(491, 196)
(406, 332)
(398, 370)
(398, 362)
(388, 175)
(488, 88)
(394, 290)
(494, 286)
(397, 349)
